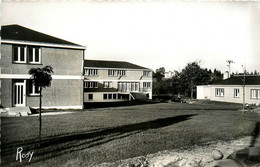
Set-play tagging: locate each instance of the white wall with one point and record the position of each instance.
(203, 92)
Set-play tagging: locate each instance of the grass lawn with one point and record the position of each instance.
(93, 136)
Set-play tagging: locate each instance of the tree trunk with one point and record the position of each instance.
(191, 89)
(40, 118)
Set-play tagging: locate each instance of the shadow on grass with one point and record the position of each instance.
(117, 104)
(50, 147)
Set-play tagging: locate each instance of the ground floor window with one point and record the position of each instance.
(114, 96)
(34, 89)
(236, 93)
(90, 96)
(219, 92)
(255, 93)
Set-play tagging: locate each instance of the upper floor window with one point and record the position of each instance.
(88, 84)
(19, 54)
(116, 72)
(236, 92)
(108, 84)
(121, 72)
(147, 84)
(255, 93)
(147, 73)
(26, 54)
(220, 92)
(91, 72)
(34, 55)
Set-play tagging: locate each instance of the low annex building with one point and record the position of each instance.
(112, 81)
(22, 49)
(231, 90)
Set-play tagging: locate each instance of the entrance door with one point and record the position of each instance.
(19, 94)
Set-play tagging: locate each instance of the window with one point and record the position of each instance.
(114, 96)
(88, 84)
(91, 72)
(107, 84)
(34, 55)
(90, 96)
(219, 92)
(33, 89)
(107, 96)
(236, 93)
(255, 93)
(147, 84)
(136, 86)
(147, 73)
(116, 72)
(128, 86)
(19, 54)
(112, 72)
(121, 72)
(24, 54)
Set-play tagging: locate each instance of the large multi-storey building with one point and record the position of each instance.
(111, 81)
(22, 49)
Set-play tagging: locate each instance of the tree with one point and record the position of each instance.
(159, 74)
(191, 76)
(41, 77)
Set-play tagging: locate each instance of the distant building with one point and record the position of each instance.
(168, 74)
(231, 90)
(111, 81)
(23, 49)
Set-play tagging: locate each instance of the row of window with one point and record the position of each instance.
(26, 54)
(110, 96)
(114, 96)
(122, 86)
(90, 84)
(94, 72)
(116, 73)
(91, 72)
(254, 93)
(128, 86)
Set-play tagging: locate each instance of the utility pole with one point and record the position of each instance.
(229, 66)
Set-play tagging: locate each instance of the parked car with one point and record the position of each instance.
(178, 99)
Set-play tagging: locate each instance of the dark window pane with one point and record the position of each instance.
(114, 96)
(37, 55)
(37, 89)
(90, 96)
(109, 96)
(21, 53)
(104, 96)
(30, 54)
(15, 53)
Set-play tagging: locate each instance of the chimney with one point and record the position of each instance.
(226, 75)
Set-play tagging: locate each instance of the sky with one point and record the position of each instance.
(152, 34)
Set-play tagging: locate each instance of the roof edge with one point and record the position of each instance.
(42, 44)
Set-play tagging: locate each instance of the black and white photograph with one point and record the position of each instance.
(129, 83)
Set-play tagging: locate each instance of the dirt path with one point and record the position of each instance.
(194, 157)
